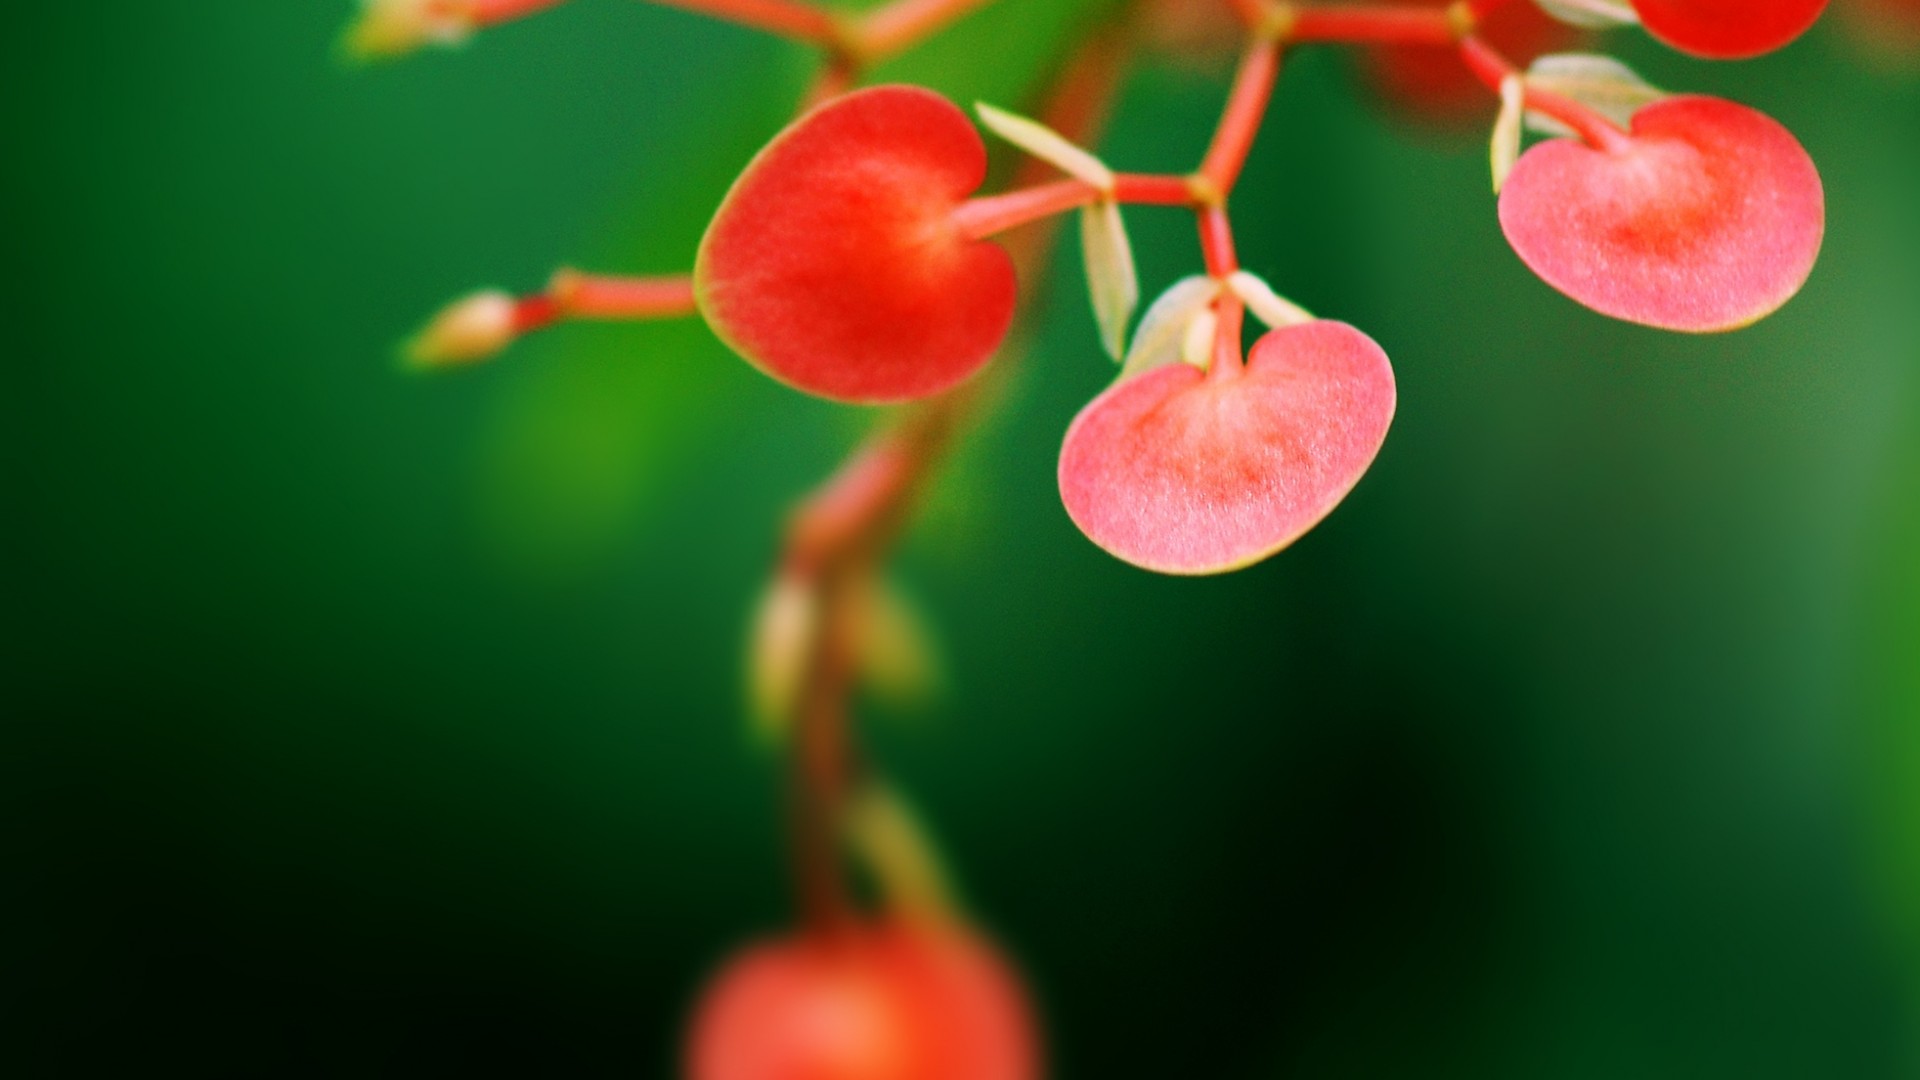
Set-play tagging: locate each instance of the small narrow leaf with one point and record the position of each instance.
(1507, 129)
(898, 655)
(1112, 281)
(1268, 306)
(890, 840)
(1046, 144)
(1591, 14)
(1197, 347)
(783, 636)
(1163, 329)
(1601, 83)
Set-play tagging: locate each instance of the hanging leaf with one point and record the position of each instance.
(783, 636)
(1601, 83)
(899, 658)
(1268, 306)
(1591, 14)
(1507, 129)
(1112, 280)
(1162, 336)
(892, 843)
(1046, 144)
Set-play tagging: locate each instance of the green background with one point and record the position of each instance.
(361, 725)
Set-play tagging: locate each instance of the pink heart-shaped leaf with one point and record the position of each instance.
(1179, 472)
(1709, 218)
(834, 264)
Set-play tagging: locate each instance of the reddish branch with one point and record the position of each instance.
(574, 295)
(1493, 70)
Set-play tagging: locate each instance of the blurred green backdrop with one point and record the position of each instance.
(363, 726)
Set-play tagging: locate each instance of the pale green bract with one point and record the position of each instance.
(1163, 330)
(1112, 281)
(1601, 83)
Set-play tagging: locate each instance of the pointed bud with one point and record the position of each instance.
(783, 635)
(466, 331)
(388, 29)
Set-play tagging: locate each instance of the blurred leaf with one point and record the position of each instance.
(899, 657)
(897, 850)
(1601, 83)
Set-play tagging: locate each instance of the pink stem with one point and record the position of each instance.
(979, 218)
(1216, 246)
(1494, 69)
(1231, 315)
(1153, 189)
(1240, 122)
(591, 296)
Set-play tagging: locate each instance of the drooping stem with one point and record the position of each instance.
(821, 762)
(1493, 69)
(1216, 242)
(837, 539)
(833, 541)
(1229, 315)
(1216, 247)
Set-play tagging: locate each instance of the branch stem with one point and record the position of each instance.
(838, 536)
(1240, 121)
(990, 215)
(1493, 70)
